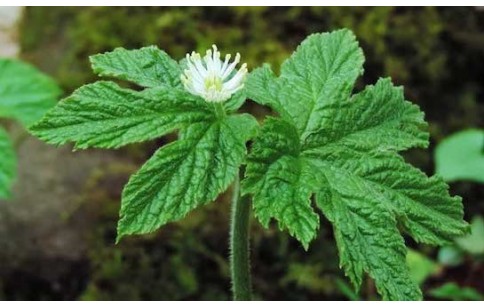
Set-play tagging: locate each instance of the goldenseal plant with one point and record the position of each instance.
(325, 144)
(25, 95)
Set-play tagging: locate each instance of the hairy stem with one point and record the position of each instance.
(239, 245)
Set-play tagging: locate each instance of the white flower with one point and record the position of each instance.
(211, 78)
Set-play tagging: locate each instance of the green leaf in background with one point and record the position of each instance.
(180, 176)
(344, 149)
(461, 156)
(8, 164)
(473, 243)
(25, 93)
(450, 256)
(421, 267)
(451, 291)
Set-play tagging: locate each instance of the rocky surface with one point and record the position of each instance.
(41, 224)
(9, 17)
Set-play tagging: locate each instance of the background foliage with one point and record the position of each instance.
(437, 53)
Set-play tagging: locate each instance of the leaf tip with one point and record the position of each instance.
(119, 236)
(121, 233)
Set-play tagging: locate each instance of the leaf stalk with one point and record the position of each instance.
(239, 244)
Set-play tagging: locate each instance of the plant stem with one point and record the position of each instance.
(239, 245)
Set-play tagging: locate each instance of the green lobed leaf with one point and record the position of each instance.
(368, 240)
(377, 119)
(344, 149)
(281, 181)
(302, 94)
(25, 92)
(8, 164)
(422, 204)
(147, 67)
(185, 174)
(181, 175)
(103, 115)
(461, 156)
(235, 101)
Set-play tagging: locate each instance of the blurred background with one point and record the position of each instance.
(57, 232)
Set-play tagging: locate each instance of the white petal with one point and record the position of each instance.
(237, 79)
(226, 63)
(231, 66)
